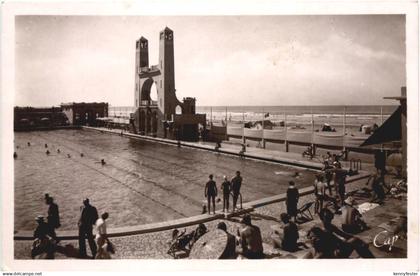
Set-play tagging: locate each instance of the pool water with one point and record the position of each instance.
(141, 182)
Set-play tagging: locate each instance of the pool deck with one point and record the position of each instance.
(275, 156)
(154, 245)
(253, 153)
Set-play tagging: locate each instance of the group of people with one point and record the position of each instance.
(232, 187)
(47, 152)
(46, 240)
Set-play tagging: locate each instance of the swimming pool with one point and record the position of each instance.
(142, 181)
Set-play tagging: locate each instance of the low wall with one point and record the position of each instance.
(332, 140)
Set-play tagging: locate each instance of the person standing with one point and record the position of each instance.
(226, 187)
(210, 191)
(53, 218)
(292, 199)
(328, 173)
(319, 191)
(236, 188)
(88, 217)
(340, 181)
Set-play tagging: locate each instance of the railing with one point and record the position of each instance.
(331, 126)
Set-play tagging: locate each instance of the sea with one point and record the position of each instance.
(335, 115)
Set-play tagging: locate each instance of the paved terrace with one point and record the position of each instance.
(143, 244)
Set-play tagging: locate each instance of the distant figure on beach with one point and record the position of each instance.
(101, 237)
(15, 155)
(42, 241)
(210, 192)
(53, 218)
(68, 155)
(46, 145)
(288, 239)
(230, 249)
(81, 155)
(29, 144)
(351, 219)
(236, 183)
(292, 199)
(226, 187)
(103, 162)
(88, 217)
(251, 245)
(58, 151)
(47, 152)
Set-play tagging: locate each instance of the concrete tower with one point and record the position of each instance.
(167, 69)
(158, 118)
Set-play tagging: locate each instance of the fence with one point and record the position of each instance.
(327, 126)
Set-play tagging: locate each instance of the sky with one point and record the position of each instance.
(219, 60)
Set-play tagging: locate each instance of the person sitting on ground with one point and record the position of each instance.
(15, 155)
(29, 144)
(351, 219)
(46, 145)
(103, 161)
(250, 240)
(288, 240)
(292, 199)
(182, 241)
(378, 195)
(81, 155)
(47, 152)
(321, 247)
(199, 232)
(43, 243)
(102, 237)
(68, 155)
(58, 151)
(343, 243)
(230, 250)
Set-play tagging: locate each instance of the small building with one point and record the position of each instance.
(84, 113)
(26, 118)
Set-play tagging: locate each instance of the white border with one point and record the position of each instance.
(218, 7)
